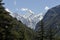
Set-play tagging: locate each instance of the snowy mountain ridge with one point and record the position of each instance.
(29, 19)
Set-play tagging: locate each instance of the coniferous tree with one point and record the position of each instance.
(50, 33)
(11, 28)
(42, 30)
(40, 33)
(53, 32)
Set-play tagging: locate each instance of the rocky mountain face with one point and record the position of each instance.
(51, 21)
(30, 20)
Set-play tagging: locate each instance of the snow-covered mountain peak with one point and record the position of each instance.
(30, 19)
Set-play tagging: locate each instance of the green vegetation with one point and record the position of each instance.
(11, 28)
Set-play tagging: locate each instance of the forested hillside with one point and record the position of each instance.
(11, 28)
(49, 27)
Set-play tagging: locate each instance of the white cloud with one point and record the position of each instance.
(17, 9)
(15, 2)
(24, 9)
(46, 8)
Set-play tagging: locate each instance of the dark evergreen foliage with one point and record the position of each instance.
(11, 28)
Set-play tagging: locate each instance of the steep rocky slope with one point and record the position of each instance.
(51, 22)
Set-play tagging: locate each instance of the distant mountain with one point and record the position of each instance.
(51, 20)
(30, 20)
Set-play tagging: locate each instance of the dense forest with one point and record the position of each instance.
(11, 28)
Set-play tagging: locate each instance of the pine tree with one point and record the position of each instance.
(11, 28)
(42, 30)
(40, 33)
(1, 6)
(4, 23)
(50, 33)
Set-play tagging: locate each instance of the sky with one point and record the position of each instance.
(36, 6)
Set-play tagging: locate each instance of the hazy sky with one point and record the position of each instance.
(37, 6)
